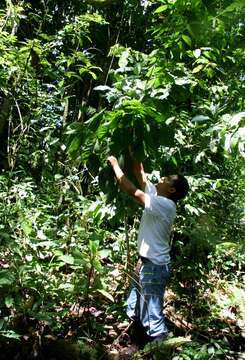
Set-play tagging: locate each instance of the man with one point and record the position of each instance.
(145, 300)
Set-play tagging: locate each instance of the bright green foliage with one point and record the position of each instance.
(213, 350)
(52, 255)
(82, 80)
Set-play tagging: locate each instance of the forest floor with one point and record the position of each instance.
(222, 338)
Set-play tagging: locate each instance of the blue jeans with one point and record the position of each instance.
(145, 300)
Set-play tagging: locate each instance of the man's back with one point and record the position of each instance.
(155, 226)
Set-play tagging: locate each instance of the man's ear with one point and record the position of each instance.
(172, 189)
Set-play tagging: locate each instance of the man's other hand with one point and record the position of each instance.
(112, 160)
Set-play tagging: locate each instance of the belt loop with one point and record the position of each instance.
(168, 267)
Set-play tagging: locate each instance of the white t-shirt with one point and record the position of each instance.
(155, 226)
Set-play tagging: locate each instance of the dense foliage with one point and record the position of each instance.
(80, 80)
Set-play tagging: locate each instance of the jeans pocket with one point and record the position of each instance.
(153, 279)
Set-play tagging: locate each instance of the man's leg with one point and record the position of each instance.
(153, 280)
(133, 303)
(136, 330)
(133, 300)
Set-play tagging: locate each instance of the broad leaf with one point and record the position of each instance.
(106, 294)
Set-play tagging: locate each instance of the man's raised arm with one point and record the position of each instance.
(125, 184)
(139, 173)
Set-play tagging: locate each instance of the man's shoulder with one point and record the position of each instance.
(165, 205)
(150, 188)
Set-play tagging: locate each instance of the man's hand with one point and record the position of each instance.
(112, 161)
(125, 184)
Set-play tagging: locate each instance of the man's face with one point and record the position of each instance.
(165, 185)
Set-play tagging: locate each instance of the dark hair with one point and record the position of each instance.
(180, 183)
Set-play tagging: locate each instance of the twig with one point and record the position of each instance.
(127, 241)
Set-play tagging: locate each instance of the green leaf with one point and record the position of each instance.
(182, 81)
(174, 161)
(67, 259)
(70, 74)
(94, 76)
(211, 350)
(104, 253)
(66, 286)
(26, 227)
(161, 9)
(9, 301)
(94, 246)
(102, 88)
(10, 334)
(187, 40)
(237, 5)
(103, 130)
(123, 61)
(106, 294)
(197, 68)
(6, 278)
(236, 119)
(198, 118)
(94, 122)
(75, 145)
(42, 316)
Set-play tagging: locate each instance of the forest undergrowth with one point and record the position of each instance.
(83, 80)
(64, 286)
